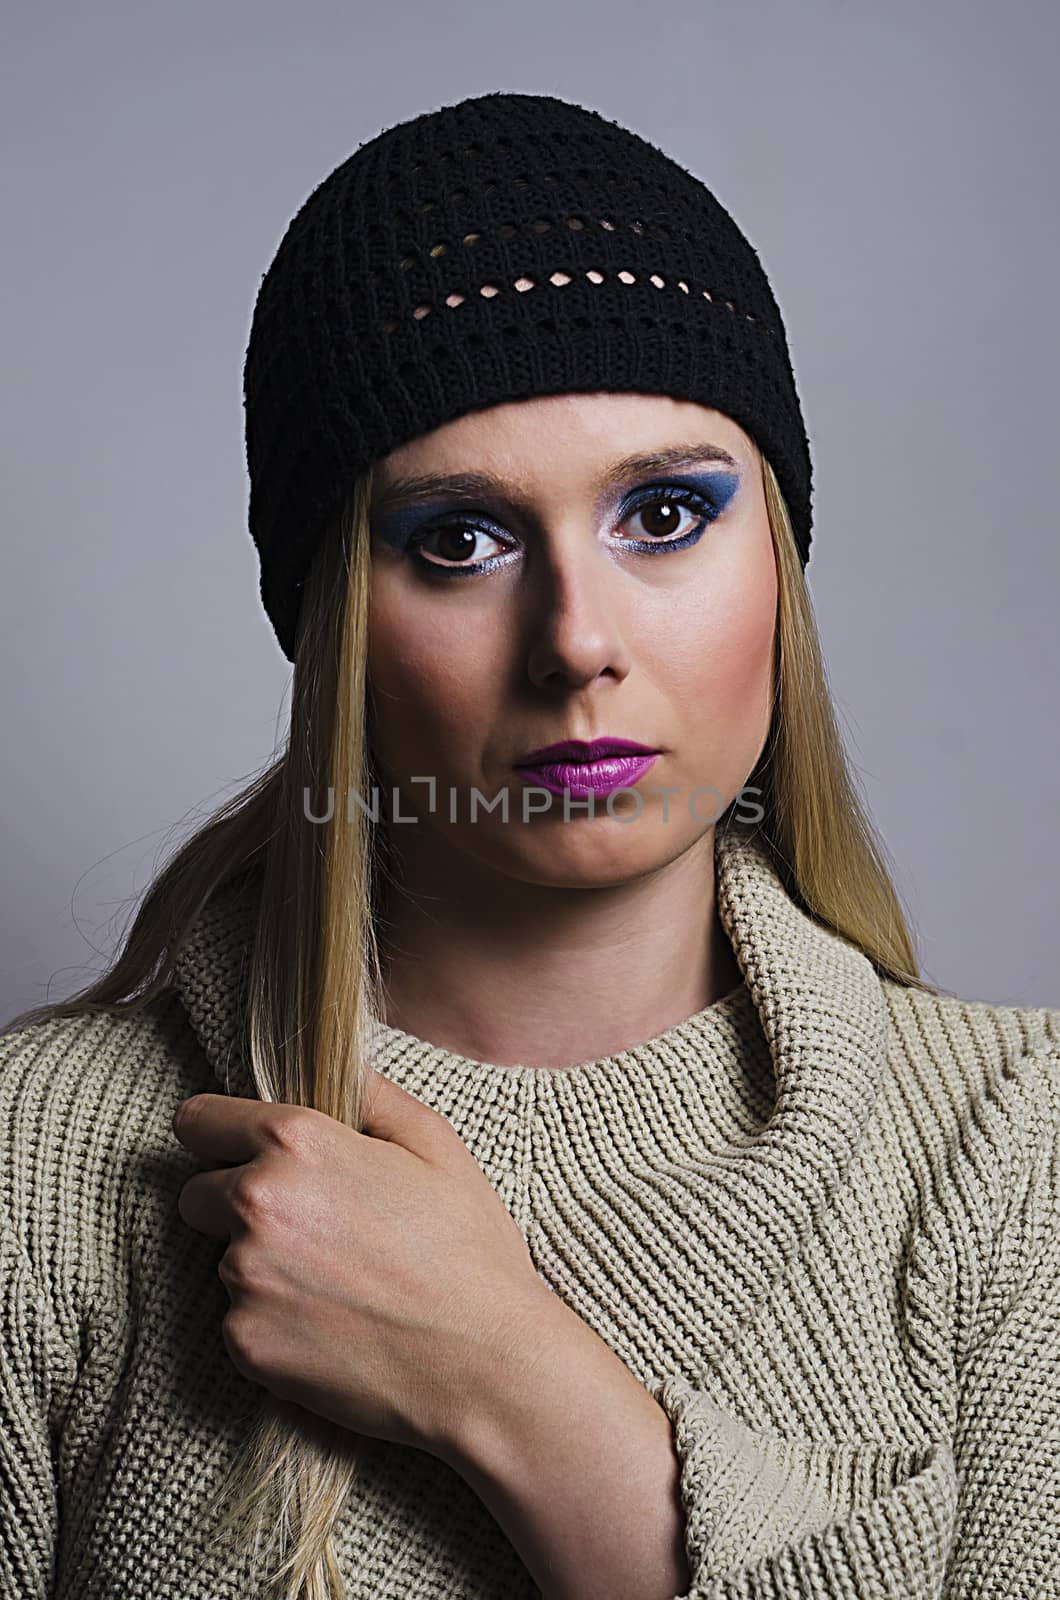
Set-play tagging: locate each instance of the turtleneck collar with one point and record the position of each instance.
(766, 1092)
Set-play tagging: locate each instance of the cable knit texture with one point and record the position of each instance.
(819, 1221)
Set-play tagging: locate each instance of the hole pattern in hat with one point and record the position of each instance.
(521, 285)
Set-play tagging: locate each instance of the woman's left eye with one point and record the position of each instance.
(663, 507)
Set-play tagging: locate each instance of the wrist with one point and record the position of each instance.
(538, 1343)
(576, 1462)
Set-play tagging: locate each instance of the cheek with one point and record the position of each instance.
(429, 683)
(719, 655)
(740, 651)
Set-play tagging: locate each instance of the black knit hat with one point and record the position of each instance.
(507, 246)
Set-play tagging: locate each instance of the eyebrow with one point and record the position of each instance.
(422, 486)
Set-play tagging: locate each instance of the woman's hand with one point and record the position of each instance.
(376, 1278)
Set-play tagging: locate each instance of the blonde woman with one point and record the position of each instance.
(513, 1151)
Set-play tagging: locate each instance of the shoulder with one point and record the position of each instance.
(974, 1088)
(86, 1142)
(969, 1052)
(108, 1075)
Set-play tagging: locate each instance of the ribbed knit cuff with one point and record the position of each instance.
(749, 1496)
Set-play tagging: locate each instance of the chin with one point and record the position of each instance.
(569, 857)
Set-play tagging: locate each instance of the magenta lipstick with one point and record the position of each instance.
(583, 769)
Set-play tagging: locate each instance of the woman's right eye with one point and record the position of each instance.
(454, 544)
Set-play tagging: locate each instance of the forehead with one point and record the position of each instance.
(600, 434)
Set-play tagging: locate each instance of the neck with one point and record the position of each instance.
(517, 973)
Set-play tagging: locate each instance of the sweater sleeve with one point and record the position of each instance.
(969, 1517)
(769, 1518)
(33, 1363)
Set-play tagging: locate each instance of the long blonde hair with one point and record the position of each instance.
(315, 980)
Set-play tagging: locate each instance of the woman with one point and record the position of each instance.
(582, 1193)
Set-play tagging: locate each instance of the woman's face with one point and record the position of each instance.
(634, 601)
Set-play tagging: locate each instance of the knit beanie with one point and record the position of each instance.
(507, 246)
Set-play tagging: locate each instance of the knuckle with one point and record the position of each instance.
(292, 1129)
(251, 1198)
(236, 1271)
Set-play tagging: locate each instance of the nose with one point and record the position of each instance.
(574, 624)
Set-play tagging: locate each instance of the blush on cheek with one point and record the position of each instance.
(743, 650)
(741, 627)
(717, 673)
(724, 641)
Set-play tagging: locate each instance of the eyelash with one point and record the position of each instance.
(685, 497)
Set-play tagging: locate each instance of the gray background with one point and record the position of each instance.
(894, 165)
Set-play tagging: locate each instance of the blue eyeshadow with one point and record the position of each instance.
(396, 528)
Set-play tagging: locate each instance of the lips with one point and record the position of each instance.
(581, 768)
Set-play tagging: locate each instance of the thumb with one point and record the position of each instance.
(391, 1113)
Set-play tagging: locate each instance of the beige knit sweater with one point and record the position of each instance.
(819, 1220)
